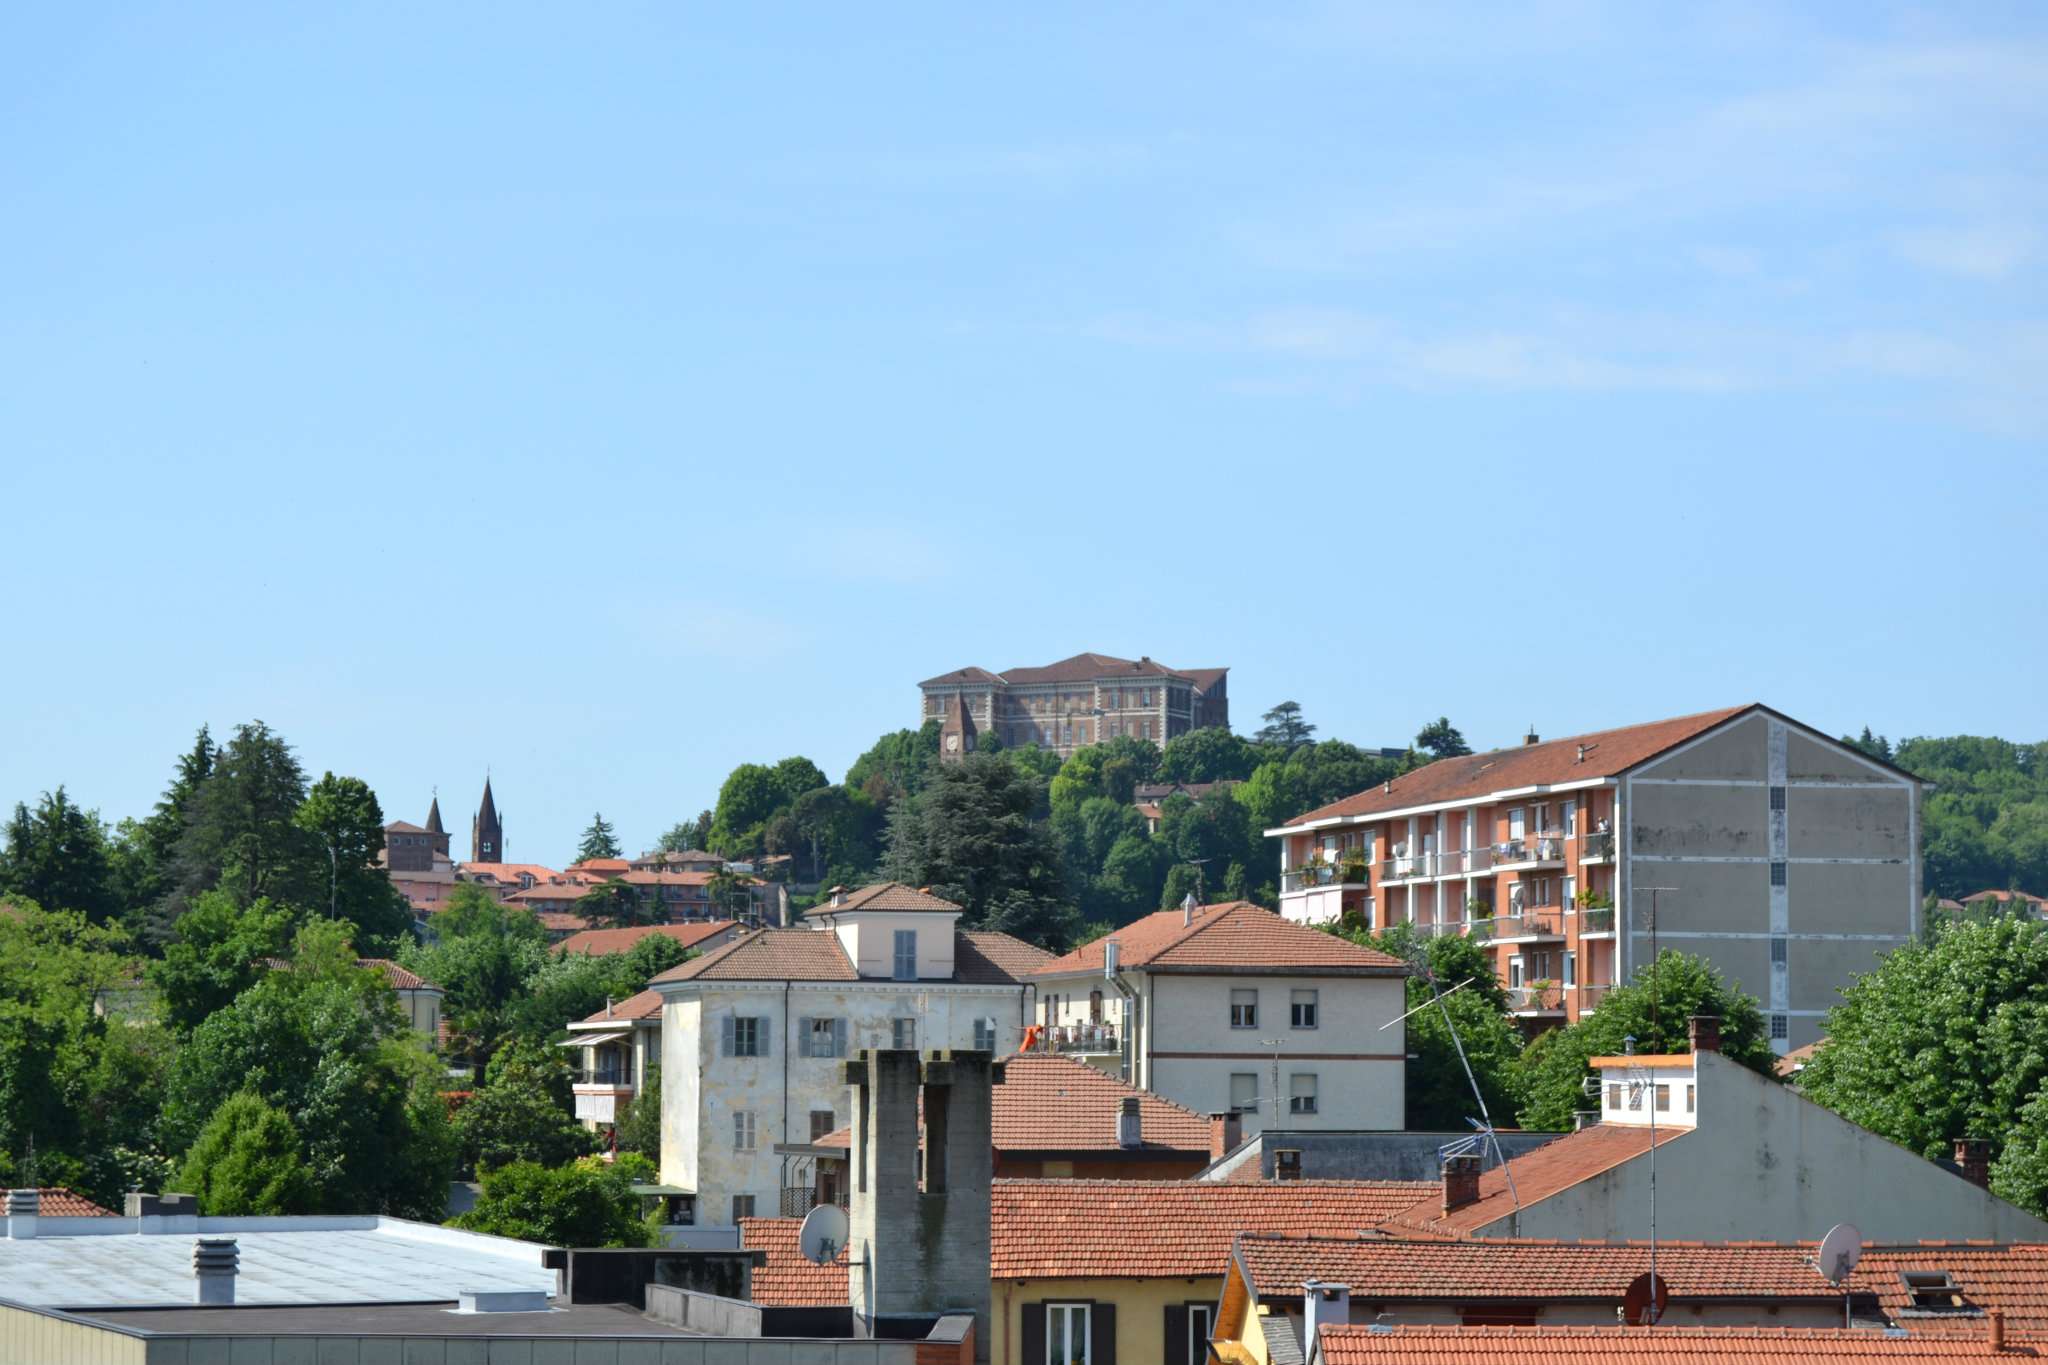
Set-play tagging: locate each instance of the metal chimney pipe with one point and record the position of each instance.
(214, 1263)
(22, 1208)
(1130, 1129)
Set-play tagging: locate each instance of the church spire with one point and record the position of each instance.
(487, 832)
(434, 816)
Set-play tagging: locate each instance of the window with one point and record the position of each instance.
(821, 1037)
(1688, 1099)
(1200, 1326)
(1301, 1093)
(1095, 1007)
(1066, 1334)
(1244, 1092)
(746, 1035)
(1571, 818)
(1663, 1099)
(906, 955)
(1777, 950)
(1244, 1009)
(1933, 1291)
(743, 1130)
(1515, 970)
(1571, 893)
(1571, 969)
(1515, 825)
(903, 1033)
(1613, 1095)
(1777, 798)
(1306, 1009)
(1778, 872)
(742, 1207)
(1780, 1026)
(984, 1035)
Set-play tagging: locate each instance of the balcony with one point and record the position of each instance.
(1459, 862)
(1537, 850)
(1079, 1039)
(1597, 923)
(1596, 846)
(602, 1096)
(1590, 997)
(1533, 1001)
(1324, 874)
(1528, 926)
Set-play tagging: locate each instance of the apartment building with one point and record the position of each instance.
(1230, 1008)
(1073, 703)
(1787, 858)
(755, 1034)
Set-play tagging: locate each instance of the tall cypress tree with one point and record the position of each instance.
(599, 841)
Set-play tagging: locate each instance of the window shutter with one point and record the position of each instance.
(1033, 1324)
(726, 1026)
(838, 1037)
(1102, 1334)
(761, 1047)
(1176, 1334)
(803, 1037)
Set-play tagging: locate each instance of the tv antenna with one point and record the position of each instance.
(1640, 1079)
(1418, 957)
(1839, 1251)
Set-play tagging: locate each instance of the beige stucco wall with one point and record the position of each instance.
(26, 1335)
(1140, 1311)
(1768, 1164)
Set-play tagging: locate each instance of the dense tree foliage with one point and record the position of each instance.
(1985, 823)
(639, 1128)
(522, 1112)
(977, 836)
(1944, 1040)
(1440, 739)
(57, 856)
(587, 1203)
(599, 841)
(1284, 727)
(248, 1161)
(1652, 1008)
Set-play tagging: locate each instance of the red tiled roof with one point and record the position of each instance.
(599, 867)
(559, 921)
(639, 878)
(1048, 1103)
(602, 941)
(1556, 1165)
(403, 827)
(1454, 779)
(644, 1005)
(1150, 1229)
(769, 955)
(58, 1202)
(785, 1279)
(544, 893)
(983, 957)
(1238, 935)
(507, 872)
(1649, 1061)
(1645, 1346)
(1087, 668)
(894, 897)
(2011, 1278)
(841, 1137)
(961, 675)
(399, 977)
(1791, 1063)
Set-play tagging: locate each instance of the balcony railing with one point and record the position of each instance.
(1535, 1000)
(1079, 1038)
(1324, 874)
(617, 1077)
(1547, 847)
(1540, 922)
(1599, 921)
(1596, 844)
(1458, 862)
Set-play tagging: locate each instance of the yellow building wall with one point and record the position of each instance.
(1140, 1312)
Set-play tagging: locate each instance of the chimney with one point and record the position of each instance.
(1994, 1328)
(1130, 1125)
(1531, 737)
(1226, 1130)
(838, 895)
(22, 1208)
(1187, 909)
(1112, 959)
(1973, 1160)
(214, 1261)
(607, 1006)
(1582, 755)
(1705, 1032)
(1323, 1305)
(1461, 1182)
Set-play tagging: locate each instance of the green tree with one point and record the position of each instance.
(680, 838)
(1441, 739)
(599, 841)
(247, 1162)
(521, 1113)
(1554, 1066)
(149, 873)
(794, 777)
(1111, 770)
(750, 795)
(2021, 1172)
(243, 837)
(612, 902)
(1284, 728)
(218, 950)
(56, 856)
(1877, 746)
(588, 1203)
(1943, 1040)
(1209, 754)
(346, 824)
(897, 764)
(639, 1128)
(483, 956)
(975, 837)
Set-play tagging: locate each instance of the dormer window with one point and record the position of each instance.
(905, 965)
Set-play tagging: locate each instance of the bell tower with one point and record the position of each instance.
(487, 831)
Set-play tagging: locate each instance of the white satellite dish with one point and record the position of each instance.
(823, 1235)
(1839, 1252)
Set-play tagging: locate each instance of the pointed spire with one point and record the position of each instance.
(434, 816)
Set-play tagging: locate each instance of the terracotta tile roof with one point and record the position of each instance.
(785, 1279)
(983, 957)
(1149, 1229)
(1204, 678)
(507, 872)
(1645, 1346)
(601, 941)
(2011, 1278)
(1048, 1103)
(1453, 779)
(894, 897)
(769, 955)
(961, 675)
(1794, 1061)
(1649, 1061)
(399, 977)
(1531, 1271)
(560, 921)
(644, 1005)
(841, 1137)
(58, 1202)
(403, 827)
(599, 867)
(1556, 1165)
(549, 893)
(1087, 668)
(1238, 936)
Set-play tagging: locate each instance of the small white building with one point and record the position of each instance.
(753, 1034)
(1231, 1008)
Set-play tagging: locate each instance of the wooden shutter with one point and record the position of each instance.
(761, 1048)
(1102, 1334)
(1033, 1324)
(803, 1037)
(1176, 1334)
(726, 1031)
(838, 1037)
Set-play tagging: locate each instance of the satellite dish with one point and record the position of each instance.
(823, 1235)
(1839, 1252)
(1647, 1298)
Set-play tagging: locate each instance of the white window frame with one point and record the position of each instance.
(1296, 1094)
(745, 1131)
(1247, 1020)
(900, 1026)
(1069, 1316)
(1201, 1325)
(746, 1035)
(1313, 1006)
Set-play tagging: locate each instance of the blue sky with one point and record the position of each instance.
(610, 397)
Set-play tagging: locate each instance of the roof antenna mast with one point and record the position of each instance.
(1486, 1135)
